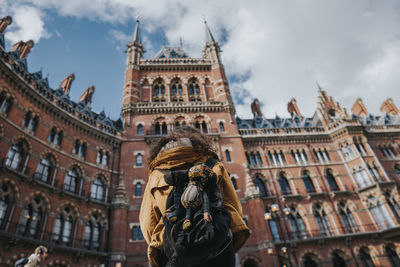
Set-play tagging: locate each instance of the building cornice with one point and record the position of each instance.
(174, 107)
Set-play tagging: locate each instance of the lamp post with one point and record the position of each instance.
(275, 214)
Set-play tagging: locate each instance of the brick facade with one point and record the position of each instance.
(318, 191)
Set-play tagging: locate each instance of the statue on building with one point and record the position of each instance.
(86, 97)
(66, 83)
(255, 108)
(23, 48)
(4, 22)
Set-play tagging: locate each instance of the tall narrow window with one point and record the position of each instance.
(322, 221)
(274, 230)
(63, 226)
(5, 103)
(31, 217)
(91, 235)
(140, 129)
(71, 181)
(30, 121)
(44, 170)
(233, 180)
(97, 189)
(139, 160)
(365, 257)
(14, 156)
(258, 159)
(283, 183)
(260, 185)
(221, 127)
(393, 205)
(308, 183)
(347, 219)
(227, 156)
(5, 201)
(164, 130)
(331, 181)
(138, 189)
(297, 224)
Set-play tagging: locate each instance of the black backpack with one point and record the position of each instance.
(21, 262)
(203, 241)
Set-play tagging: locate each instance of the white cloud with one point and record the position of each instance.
(28, 24)
(272, 49)
(119, 38)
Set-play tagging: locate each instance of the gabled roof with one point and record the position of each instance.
(171, 52)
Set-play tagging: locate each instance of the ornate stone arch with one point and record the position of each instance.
(102, 217)
(29, 199)
(26, 143)
(52, 154)
(199, 115)
(317, 255)
(160, 119)
(74, 212)
(102, 175)
(176, 117)
(14, 187)
(78, 166)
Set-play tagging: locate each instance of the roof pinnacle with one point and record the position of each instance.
(136, 34)
(209, 36)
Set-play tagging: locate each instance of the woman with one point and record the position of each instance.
(182, 149)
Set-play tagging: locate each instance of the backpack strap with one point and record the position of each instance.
(211, 162)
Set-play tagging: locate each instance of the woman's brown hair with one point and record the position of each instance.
(200, 142)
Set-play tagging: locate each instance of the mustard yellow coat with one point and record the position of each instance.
(157, 190)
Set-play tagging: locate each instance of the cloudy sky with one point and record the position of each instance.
(273, 50)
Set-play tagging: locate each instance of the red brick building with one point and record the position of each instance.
(318, 191)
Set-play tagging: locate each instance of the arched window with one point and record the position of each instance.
(30, 122)
(393, 205)
(283, 183)
(137, 233)
(31, 217)
(105, 159)
(233, 180)
(297, 224)
(5, 103)
(347, 219)
(97, 189)
(309, 261)
(15, 155)
(365, 257)
(381, 214)
(197, 125)
(258, 159)
(308, 183)
(102, 157)
(164, 129)
(139, 160)
(140, 129)
(79, 148)
(260, 185)
(55, 136)
(194, 88)
(392, 255)
(322, 220)
(71, 180)
(62, 229)
(176, 88)
(337, 259)
(221, 127)
(5, 201)
(138, 189)
(91, 235)
(204, 128)
(44, 170)
(159, 88)
(228, 156)
(250, 263)
(331, 181)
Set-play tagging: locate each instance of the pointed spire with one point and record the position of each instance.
(209, 36)
(136, 34)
